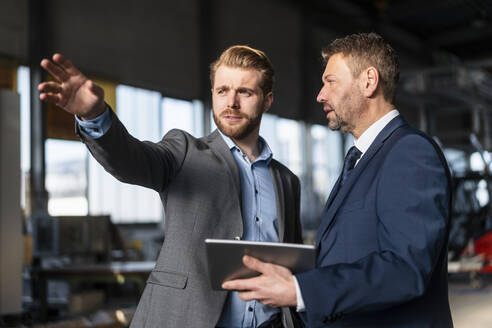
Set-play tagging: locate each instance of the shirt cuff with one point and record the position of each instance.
(300, 302)
(97, 126)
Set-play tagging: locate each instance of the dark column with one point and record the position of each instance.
(206, 46)
(39, 195)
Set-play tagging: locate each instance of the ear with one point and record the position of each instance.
(371, 81)
(267, 103)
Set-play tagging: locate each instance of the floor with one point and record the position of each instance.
(471, 306)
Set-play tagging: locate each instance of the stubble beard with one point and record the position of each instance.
(336, 123)
(240, 131)
(346, 114)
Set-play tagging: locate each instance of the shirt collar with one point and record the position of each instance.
(366, 138)
(265, 151)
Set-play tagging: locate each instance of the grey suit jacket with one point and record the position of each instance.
(199, 185)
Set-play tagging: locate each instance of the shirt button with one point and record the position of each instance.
(257, 219)
(250, 309)
(256, 191)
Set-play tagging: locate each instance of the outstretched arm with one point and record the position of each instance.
(128, 159)
(73, 91)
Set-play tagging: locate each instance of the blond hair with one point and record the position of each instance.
(245, 57)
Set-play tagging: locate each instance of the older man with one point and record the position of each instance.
(382, 241)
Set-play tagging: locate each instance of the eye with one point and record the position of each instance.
(328, 80)
(220, 91)
(245, 93)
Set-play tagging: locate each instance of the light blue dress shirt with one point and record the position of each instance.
(259, 212)
(98, 126)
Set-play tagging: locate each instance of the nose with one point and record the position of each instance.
(321, 98)
(233, 100)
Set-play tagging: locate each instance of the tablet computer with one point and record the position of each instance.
(225, 258)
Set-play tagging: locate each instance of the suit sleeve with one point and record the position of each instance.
(412, 211)
(144, 163)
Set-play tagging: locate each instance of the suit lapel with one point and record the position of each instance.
(220, 148)
(280, 198)
(336, 197)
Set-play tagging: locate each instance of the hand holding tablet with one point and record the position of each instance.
(225, 258)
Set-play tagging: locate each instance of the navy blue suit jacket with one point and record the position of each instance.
(382, 241)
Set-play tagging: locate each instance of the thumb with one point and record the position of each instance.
(97, 90)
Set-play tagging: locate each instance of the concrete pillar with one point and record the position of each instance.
(11, 246)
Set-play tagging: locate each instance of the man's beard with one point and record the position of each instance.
(336, 123)
(339, 124)
(239, 131)
(350, 106)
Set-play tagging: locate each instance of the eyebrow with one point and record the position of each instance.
(245, 89)
(222, 87)
(239, 89)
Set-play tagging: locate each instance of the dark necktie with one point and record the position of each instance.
(352, 156)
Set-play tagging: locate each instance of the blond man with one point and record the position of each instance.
(225, 185)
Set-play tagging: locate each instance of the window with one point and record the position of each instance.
(66, 177)
(139, 111)
(182, 114)
(286, 139)
(147, 116)
(23, 81)
(327, 159)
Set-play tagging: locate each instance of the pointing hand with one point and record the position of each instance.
(73, 91)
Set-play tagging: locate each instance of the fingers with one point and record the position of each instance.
(248, 296)
(53, 98)
(61, 68)
(55, 70)
(66, 64)
(240, 284)
(50, 92)
(255, 264)
(49, 87)
(274, 287)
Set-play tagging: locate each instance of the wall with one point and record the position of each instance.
(11, 248)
